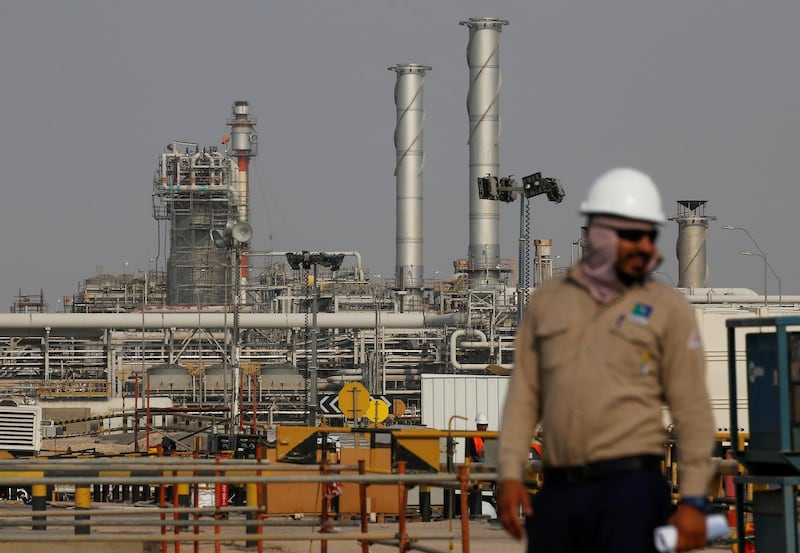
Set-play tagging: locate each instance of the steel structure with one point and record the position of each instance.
(193, 191)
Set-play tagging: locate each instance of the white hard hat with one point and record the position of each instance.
(624, 192)
(481, 418)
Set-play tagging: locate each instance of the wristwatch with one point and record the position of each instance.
(696, 501)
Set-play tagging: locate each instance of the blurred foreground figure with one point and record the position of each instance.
(599, 351)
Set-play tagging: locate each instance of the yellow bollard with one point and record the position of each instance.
(83, 500)
(39, 504)
(252, 501)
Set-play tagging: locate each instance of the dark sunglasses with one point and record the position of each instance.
(632, 235)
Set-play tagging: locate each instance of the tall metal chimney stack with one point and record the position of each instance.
(244, 144)
(483, 107)
(691, 246)
(542, 261)
(409, 270)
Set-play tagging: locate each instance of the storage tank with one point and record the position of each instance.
(169, 378)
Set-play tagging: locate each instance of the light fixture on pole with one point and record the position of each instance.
(306, 260)
(763, 255)
(233, 238)
(780, 295)
(669, 278)
(505, 190)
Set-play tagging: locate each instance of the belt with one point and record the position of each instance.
(598, 470)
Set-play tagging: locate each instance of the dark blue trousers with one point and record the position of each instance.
(610, 515)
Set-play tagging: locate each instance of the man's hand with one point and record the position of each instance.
(511, 495)
(691, 525)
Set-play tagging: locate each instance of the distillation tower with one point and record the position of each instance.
(197, 190)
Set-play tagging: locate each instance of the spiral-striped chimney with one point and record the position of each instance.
(410, 159)
(483, 107)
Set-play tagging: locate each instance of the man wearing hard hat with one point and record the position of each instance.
(475, 444)
(475, 454)
(599, 351)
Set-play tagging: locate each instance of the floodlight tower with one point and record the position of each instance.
(244, 144)
(505, 189)
(306, 260)
(234, 239)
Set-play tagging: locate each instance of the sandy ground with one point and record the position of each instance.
(287, 536)
(484, 537)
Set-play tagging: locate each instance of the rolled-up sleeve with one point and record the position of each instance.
(686, 395)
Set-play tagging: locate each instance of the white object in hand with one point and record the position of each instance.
(666, 537)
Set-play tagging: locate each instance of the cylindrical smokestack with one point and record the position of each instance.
(408, 175)
(483, 107)
(691, 246)
(244, 144)
(543, 261)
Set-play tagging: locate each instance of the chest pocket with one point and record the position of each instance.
(635, 350)
(553, 342)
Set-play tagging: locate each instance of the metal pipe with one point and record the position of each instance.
(325, 504)
(357, 255)
(22, 324)
(483, 343)
(727, 299)
(402, 492)
(463, 474)
(235, 477)
(362, 502)
(313, 406)
(231, 537)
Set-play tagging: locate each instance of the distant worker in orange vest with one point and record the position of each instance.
(475, 444)
(475, 454)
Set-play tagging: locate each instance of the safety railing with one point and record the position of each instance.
(174, 515)
(175, 518)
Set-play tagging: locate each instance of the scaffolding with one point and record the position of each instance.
(193, 191)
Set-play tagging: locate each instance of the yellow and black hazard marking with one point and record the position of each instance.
(296, 444)
(299, 444)
(419, 450)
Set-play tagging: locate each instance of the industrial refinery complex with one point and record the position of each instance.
(231, 355)
(271, 337)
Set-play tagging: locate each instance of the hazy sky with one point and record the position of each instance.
(702, 94)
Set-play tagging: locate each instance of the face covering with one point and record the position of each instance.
(598, 266)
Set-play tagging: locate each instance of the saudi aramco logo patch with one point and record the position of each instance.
(641, 313)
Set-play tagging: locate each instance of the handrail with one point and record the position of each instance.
(177, 519)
